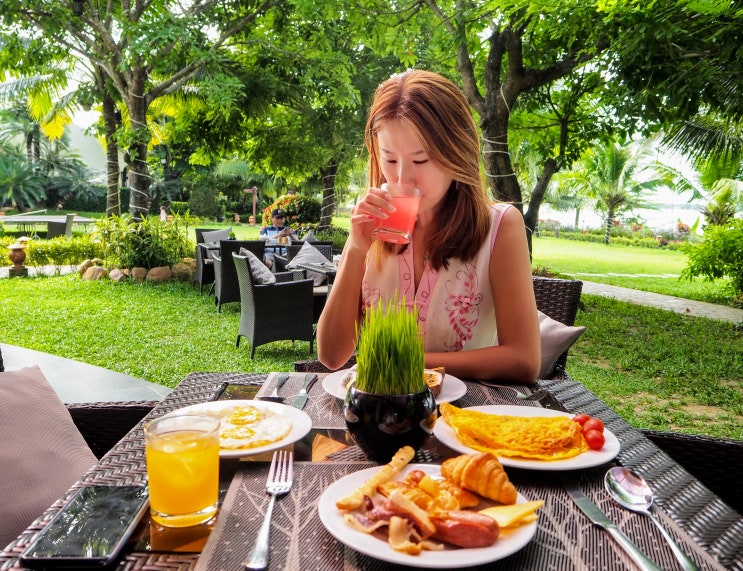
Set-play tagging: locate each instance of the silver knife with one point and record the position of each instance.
(588, 507)
(301, 399)
(274, 396)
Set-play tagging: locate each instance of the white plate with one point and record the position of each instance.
(587, 459)
(301, 423)
(451, 390)
(332, 518)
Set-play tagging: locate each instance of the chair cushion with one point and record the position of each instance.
(309, 237)
(261, 274)
(308, 254)
(556, 339)
(41, 451)
(217, 235)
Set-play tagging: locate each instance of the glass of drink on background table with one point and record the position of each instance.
(399, 226)
(182, 452)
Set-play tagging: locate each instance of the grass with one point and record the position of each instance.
(655, 368)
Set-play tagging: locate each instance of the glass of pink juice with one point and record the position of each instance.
(399, 226)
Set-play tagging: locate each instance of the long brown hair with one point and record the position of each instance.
(439, 114)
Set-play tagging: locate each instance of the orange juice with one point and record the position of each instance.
(182, 455)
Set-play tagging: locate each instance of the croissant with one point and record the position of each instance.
(481, 473)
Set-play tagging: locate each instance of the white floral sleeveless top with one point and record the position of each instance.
(455, 306)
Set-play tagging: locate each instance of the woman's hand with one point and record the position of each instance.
(375, 204)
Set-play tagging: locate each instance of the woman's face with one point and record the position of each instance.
(403, 159)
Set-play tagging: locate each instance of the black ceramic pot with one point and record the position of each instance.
(382, 424)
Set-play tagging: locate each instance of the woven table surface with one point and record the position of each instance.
(710, 531)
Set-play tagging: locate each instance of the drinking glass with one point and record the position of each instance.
(399, 226)
(182, 453)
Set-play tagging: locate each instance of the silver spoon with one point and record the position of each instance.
(634, 493)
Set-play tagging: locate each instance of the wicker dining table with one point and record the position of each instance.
(707, 529)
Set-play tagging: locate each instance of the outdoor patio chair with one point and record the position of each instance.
(325, 248)
(226, 287)
(103, 424)
(711, 460)
(273, 312)
(204, 273)
(54, 229)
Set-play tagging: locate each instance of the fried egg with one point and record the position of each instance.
(251, 427)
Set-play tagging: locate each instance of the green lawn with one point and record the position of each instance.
(657, 369)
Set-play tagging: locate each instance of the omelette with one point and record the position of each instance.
(533, 437)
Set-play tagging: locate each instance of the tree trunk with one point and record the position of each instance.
(609, 222)
(328, 174)
(140, 174)
(577, 217)
(113, 197)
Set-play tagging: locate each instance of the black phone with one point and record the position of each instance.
(238, 391)
(90, 530)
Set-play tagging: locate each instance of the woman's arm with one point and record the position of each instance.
(516, 358)
(336, 329)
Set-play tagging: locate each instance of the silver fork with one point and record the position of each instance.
(280, 477)
(536, 395)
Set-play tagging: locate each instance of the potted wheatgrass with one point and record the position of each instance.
(389, 405)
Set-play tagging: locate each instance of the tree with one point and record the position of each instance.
(19, 183)
(146, 50)
(609, 173)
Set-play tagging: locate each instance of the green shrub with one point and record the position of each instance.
(719, 255)
(149, 243)
(177, 207)
(299, 210)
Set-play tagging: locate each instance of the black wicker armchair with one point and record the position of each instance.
(273, 312)
(204, 272)
(226, 288)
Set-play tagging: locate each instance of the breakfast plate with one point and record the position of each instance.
(587, 459)
(451, 389)
(301, 423)
(510, 540)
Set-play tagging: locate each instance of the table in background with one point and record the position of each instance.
(707, 529)
(28, 223)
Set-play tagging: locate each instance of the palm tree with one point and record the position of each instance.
(19, 183)
(611, 175)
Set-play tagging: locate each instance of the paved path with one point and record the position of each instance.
(667, 302)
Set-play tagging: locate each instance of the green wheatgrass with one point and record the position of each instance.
(390, 355)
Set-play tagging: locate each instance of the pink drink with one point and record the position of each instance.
(399, 226)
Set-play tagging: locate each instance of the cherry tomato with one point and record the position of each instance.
(593, 424)
(581, 418)
(594, 439)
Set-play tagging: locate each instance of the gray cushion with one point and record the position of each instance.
(217, 235)
(309, 237)
(556, 339)
(261, 274)
(41, 451)
(308, 254)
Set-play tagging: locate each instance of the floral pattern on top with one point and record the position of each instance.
(463, 308)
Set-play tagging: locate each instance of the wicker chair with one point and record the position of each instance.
(273, 312)
(103, 424)
(557, 298)
(204, 273)
(710, 460)
(226, 288)
(54, 229)
(325, 248)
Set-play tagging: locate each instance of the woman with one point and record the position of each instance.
(467, 265)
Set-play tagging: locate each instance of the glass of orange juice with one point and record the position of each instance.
(182, 453)
(398, 227)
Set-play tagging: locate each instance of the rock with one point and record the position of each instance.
(95, 273)
(139, 274)
(159, 275)
(182, 272)
(82, 268)
(117, 275)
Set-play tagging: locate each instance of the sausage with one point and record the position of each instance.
(466, 529)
